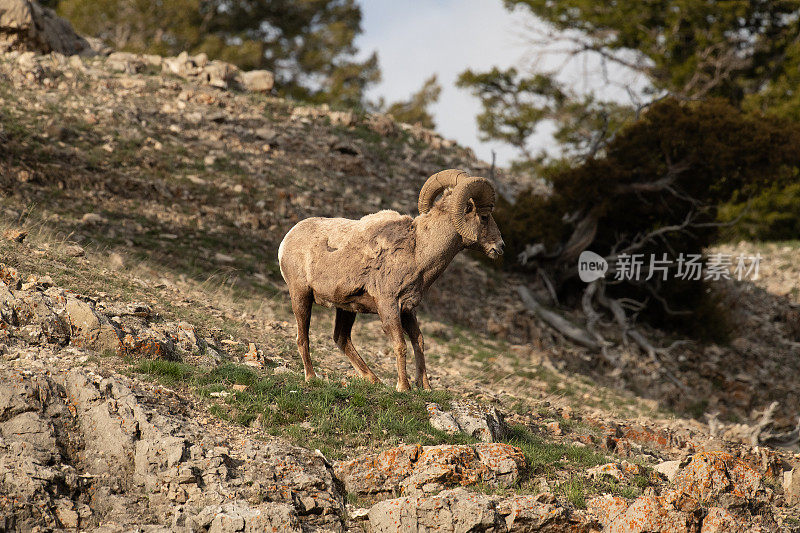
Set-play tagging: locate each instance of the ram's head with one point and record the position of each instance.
(470, 207)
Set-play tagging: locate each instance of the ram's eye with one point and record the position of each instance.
(484, 218)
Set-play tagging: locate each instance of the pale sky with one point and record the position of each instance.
(415, 39)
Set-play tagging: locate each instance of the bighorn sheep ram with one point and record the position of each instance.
(384, 263)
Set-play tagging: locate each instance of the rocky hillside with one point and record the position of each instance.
(149, 372)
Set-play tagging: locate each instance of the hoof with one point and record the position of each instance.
(423, 384)
(310, 376)
(402, 387)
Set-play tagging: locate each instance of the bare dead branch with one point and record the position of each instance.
(557, 322)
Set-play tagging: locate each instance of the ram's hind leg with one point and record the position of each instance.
(301, 305)
(411, 328)
(342, 337)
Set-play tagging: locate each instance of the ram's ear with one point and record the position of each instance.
(470, 206)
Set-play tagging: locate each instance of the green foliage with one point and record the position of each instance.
(544, 457)
(693, 47)
(309, 45)
(415, 109)
(743, 51)
(772, 215)
(700, 150)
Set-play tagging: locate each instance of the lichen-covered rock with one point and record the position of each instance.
(618, 471)
(39, 316)
(709, 475)
(651, 514)
(415, 469)
(484, 423)
(526, 513)
(455, 510)
(719, 520)
(90, 329)
(669, 469)
(607, 508)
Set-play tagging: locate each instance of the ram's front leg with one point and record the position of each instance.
(389, 313)
(411, 327)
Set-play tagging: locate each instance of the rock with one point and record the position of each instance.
(668, 468)
(619, 471)
(526, 513)
(607, 508)
(217, 73)
(66, 514)
(73, 250)
(27, 26)
(258, 80)
(454, 510)
(610, 469)
(40, 316)
(791, 486)
(555, 428)
(10, 276)
(266, 133)
(342, 118)
(15, 235)
(709, 475)
(182, 65)
(116, 261)
(414, 469)
(253, 356)
(237, 516)
(149, 345)
(91, 329)
(126, 62)
(93, 218)
(651, 514)
(486, 424)
(383, 125)
(718, 520)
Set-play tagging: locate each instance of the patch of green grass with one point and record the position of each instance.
(332, 415)
(544, 457)
(574, 491)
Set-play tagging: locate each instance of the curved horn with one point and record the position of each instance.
(481, 191)
(435, 185)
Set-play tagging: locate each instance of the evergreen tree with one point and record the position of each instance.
(415, 109)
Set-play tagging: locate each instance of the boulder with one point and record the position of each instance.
(652, 514)
(719, 520)
(415, 469)
(123, 62)
(607, 508)
(260, 81)
(525, 513)
(710, 475)
(484, 423)
(27, 26)
(454, 510)
(218, 73)
(90, 329)
(39, 316)
(619, 471)
(668, 468)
